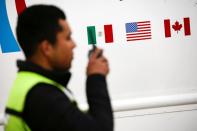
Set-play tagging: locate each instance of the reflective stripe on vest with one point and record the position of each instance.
(24, 82)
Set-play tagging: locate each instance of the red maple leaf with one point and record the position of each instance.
(177, 27)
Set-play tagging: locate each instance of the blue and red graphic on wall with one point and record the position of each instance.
(8, 42)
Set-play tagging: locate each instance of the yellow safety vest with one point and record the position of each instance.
(24, 82)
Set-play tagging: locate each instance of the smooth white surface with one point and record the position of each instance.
(176, 121)
(143, 74)
(154, 102)
(160, 66)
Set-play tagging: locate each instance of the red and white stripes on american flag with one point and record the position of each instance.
(138, 30)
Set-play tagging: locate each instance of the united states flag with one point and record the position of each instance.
(138, 31)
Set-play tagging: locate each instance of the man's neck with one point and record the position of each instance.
(40, 62)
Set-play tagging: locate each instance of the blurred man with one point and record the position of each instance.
(39, 99)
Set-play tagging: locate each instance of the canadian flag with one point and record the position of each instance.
(177, 27)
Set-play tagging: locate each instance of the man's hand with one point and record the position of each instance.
(97, 65)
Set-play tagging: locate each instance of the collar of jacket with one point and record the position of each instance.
(61, 77)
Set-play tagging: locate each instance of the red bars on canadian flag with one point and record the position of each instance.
(177, 27)
(167, 28)
(187, 26)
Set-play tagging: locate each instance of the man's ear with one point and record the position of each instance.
(46, 48)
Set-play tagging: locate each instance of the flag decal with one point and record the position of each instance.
(177, 26)
(92, 37)
(138, 31)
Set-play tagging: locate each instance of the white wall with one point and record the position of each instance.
(160, 119)
(160, 66)
(148, 74)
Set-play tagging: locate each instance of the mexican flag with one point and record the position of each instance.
(92, 37)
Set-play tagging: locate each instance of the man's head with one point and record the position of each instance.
(45, 37)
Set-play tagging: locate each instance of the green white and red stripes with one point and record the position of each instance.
(92, 37)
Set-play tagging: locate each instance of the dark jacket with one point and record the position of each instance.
(49, 109)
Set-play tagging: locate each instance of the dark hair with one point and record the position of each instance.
(37, 23)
